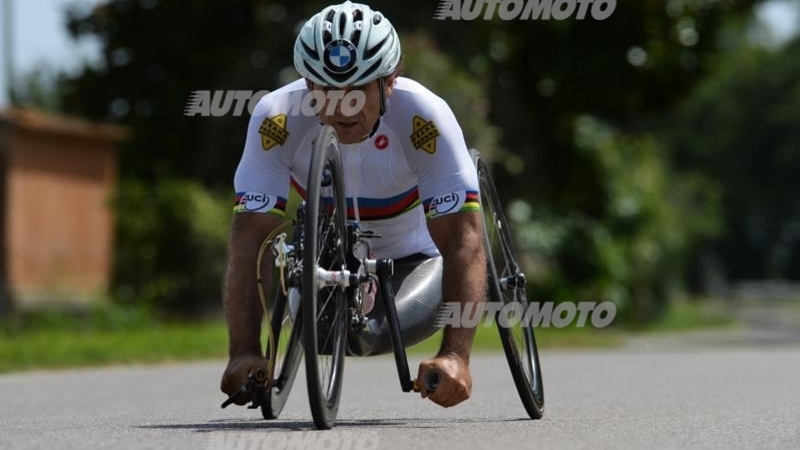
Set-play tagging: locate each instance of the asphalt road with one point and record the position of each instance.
(730, 398)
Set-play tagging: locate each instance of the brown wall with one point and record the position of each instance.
(58, 225)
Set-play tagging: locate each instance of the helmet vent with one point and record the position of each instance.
(312, 71)
(370, 71)
(310, 52)
(342, 24)
(370, 52)
(338, 77)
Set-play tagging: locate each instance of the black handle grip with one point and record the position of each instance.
(256, 377)
(230, 399)
(432, 379)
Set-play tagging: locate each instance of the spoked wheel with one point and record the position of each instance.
(507, 285)
(324, 308)
(286, 327)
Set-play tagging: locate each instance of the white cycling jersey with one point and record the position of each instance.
(415, 167)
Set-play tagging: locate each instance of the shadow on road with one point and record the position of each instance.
(306, 425)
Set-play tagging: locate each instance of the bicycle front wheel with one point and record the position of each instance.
(324, 308)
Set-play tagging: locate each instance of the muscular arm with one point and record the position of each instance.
(243, 310)
(460, 241)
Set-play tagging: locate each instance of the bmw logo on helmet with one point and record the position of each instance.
(340, 55)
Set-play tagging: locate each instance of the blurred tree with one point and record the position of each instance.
(742, 129)
(540, 76)
(175, 201)
(38, 89)
(171, 237)
(543, 73)
(632, 254)
(146, 81)
(624, 70)
(155, 54)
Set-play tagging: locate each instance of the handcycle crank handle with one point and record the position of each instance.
(432, 379)
(257, 376)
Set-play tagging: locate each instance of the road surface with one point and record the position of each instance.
(639, 398)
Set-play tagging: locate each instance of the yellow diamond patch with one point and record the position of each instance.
(273, 131)
(424, 135)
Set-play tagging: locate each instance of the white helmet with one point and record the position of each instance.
(347, 45)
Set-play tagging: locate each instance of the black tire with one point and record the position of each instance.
(289, 351)
(507, 285)
(324, 310)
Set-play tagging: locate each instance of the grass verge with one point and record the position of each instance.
(689, 315)
(111, 335)
(63, 339)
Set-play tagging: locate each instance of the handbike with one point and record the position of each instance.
(323, 270)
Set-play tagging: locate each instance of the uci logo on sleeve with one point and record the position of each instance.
(259, 203)
(450, 203)
(445, 203)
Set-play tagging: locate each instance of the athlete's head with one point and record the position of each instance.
(350, 46)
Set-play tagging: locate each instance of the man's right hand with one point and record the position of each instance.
(239, 367)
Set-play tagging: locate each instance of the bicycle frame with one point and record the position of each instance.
(288, 258)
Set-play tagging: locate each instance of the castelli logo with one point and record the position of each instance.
(381, 142)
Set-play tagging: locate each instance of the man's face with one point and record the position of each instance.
(341, 111)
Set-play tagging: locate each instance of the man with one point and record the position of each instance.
(408, 172)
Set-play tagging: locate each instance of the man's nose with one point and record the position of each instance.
(339, 100)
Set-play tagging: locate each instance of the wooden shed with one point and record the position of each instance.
(58, 175)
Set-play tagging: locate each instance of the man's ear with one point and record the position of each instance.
(309, 85)
(390, 80)
(390, 84)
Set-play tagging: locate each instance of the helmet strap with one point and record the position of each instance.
(375, 128)
(382, 87)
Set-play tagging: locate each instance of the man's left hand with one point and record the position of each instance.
(455, 381)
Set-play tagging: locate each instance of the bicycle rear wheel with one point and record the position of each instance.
(507, 285)
(324, 308)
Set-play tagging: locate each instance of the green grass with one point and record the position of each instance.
(62, 349)
(113, 335)
(62, 339)
(692, 315)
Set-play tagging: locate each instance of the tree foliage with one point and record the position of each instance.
(632, 253)
(519, 89)
(741, 129)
